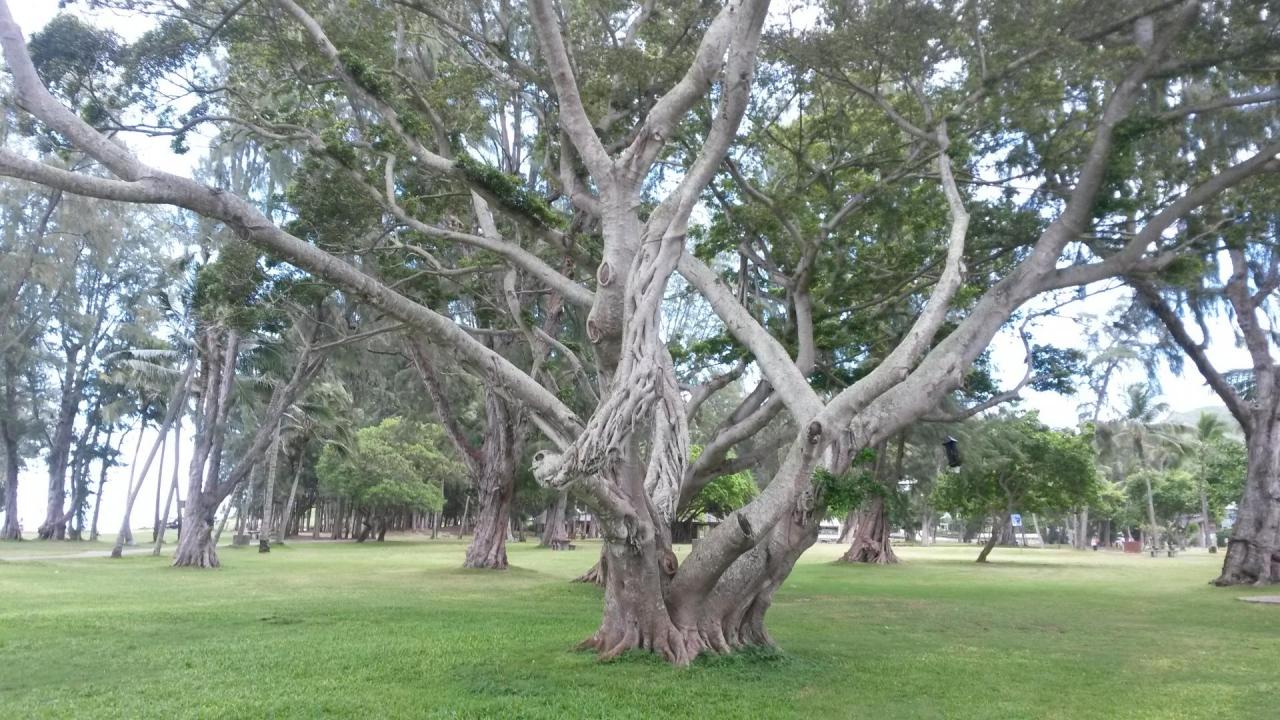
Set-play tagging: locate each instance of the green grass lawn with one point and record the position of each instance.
(400, 630)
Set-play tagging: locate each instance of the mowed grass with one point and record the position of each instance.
(400, 630)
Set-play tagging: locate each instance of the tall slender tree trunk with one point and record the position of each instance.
(54, 525)
(12, 461)
(163, 524)
(222, 524)
(1208, 537)
(288, 505)
(462, 526)
(1253, 552)
(998, 525)
(102, 482)
(133, 474)
(177, 401)
(195, 543)
(126, 526)
(269, 491)
(1153, 529)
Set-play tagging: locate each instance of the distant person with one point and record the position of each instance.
(1094, 543)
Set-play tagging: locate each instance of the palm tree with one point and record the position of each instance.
(1137, 440)
(1209, 429)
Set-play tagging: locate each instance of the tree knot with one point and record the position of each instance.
(669, 562)
(814, 432)
(604, 274)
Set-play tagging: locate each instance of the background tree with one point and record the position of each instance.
(394, 467)
(1014, 464)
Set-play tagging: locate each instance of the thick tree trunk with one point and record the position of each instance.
(870, 534)
(495, 485)
(195, 543)
(553, 530)
(10, 531)
(871, 543)
(488, 548)
(12, 462)
(731, 617)
(636, 615)
(1253, 552)
(926, 526)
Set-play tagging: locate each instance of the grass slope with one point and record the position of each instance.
(400, 630)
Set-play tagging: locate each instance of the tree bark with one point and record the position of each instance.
(12, 461)
(195, 544)
(269, 492)
(1152, 529)
(553, 529)
(102, 482)
(54, 525)
(871, 543)
(288, 505)
(1253, 552)
(495, 485)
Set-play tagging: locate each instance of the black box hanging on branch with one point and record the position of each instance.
(952, 446)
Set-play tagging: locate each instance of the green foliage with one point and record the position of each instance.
(1014, 462)
(395, 465)
(1056, 369)
(508, 190)
(848, 491)
(1222, 465)
(364, 74)
(722, 496)
(230, 288)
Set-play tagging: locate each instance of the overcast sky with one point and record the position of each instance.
(1182, 393)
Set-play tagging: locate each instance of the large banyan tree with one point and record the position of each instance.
(567, 147)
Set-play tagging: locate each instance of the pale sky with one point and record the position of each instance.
(1182, 393)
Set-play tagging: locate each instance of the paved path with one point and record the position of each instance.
(1267, 599)
(74, 556)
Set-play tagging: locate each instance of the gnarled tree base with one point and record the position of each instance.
(196, 549)
(1249, 564)
(871, 552)
(595, 575)
(870, 543)
(488, 548)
